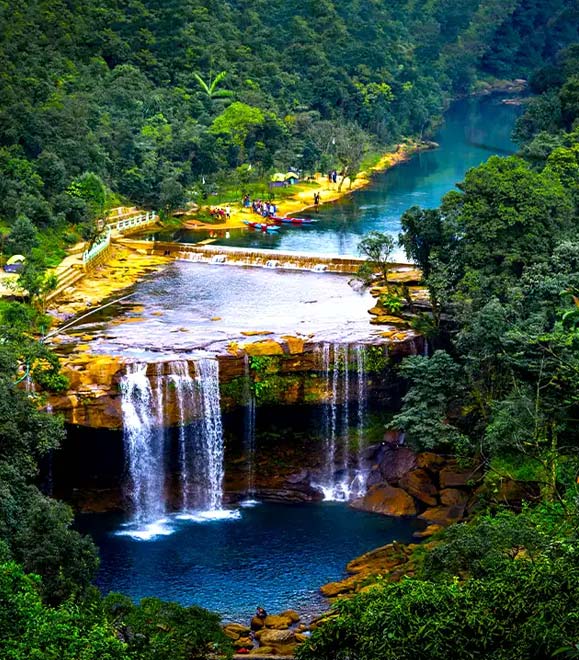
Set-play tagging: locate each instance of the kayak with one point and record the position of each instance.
(292, 221)
(258, 226)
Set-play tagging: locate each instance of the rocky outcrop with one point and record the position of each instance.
(387, 500)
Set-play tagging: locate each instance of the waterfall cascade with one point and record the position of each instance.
(343, 476)
(249, 433)
(145, 399)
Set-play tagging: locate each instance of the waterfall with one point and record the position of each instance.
(359, 484)
(249, 432)
(145, 403)
(144, 443)
(212, 449)
(185, 395)
(340, 479)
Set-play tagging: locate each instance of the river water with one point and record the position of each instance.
(474, 129)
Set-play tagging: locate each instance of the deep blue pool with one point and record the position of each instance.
(273, 555)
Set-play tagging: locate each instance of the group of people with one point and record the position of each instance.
(333, 176)
(221, 214)
(264, 209)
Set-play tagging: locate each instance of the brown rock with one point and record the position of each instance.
(262, 650)
(275, 638)
(418, 484)
(278, 622)
(443, 515)
(243, 643)
(236, 630)
(453, 497)
(386, 500)
(295, 344)
(333, 589)
(256, 333)
(429, 531)
(429, 461)
(291, 614)
(257, 623)
(380, 560)
(397, 462)
(452, 477)
(266, 347)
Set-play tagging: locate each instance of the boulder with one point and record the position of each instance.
(396, 463)
(243, 643)
(429, 461)
(387, 500)
(236, 630)
(257, 623)
(265, 347)
(443, 515)
(291, 614)
(453, 497)
(278, 622)
(419, 484)
(277, 639)
(451, 477)
(429, 531)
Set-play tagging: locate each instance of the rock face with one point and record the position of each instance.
(387, 500)
(287, 372)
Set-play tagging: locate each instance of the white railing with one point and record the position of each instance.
(97, 247)
(131, 223)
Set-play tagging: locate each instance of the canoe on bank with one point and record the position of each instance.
(258, 226)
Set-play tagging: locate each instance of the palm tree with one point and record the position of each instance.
(211, 88)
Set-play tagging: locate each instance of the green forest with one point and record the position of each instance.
(157, 104)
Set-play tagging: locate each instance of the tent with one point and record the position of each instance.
(16, 259)
(15, 264)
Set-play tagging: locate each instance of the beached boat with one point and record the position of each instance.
(292, 221)
(258, 226)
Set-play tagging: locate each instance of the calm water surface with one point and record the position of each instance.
(274, 555)
(474, 129)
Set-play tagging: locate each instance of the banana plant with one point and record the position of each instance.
(211, 88)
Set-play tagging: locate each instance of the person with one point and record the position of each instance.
(260, 613)
(228, 212)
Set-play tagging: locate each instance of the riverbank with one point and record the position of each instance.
(303, 195)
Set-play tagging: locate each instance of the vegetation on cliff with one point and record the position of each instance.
(500, 259)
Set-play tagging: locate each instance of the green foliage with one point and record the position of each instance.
(376, 359)
(23, 237)
(501, 587)
(30, 629)
(392, 302)
(437, 388)
(156, 630)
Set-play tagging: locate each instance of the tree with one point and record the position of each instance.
(236, 123)
(23, 237)
(377, 248)
(31, 629)
(155, 630)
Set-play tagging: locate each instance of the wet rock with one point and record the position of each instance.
(419, 484)
(303, 476)
(387, 500)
